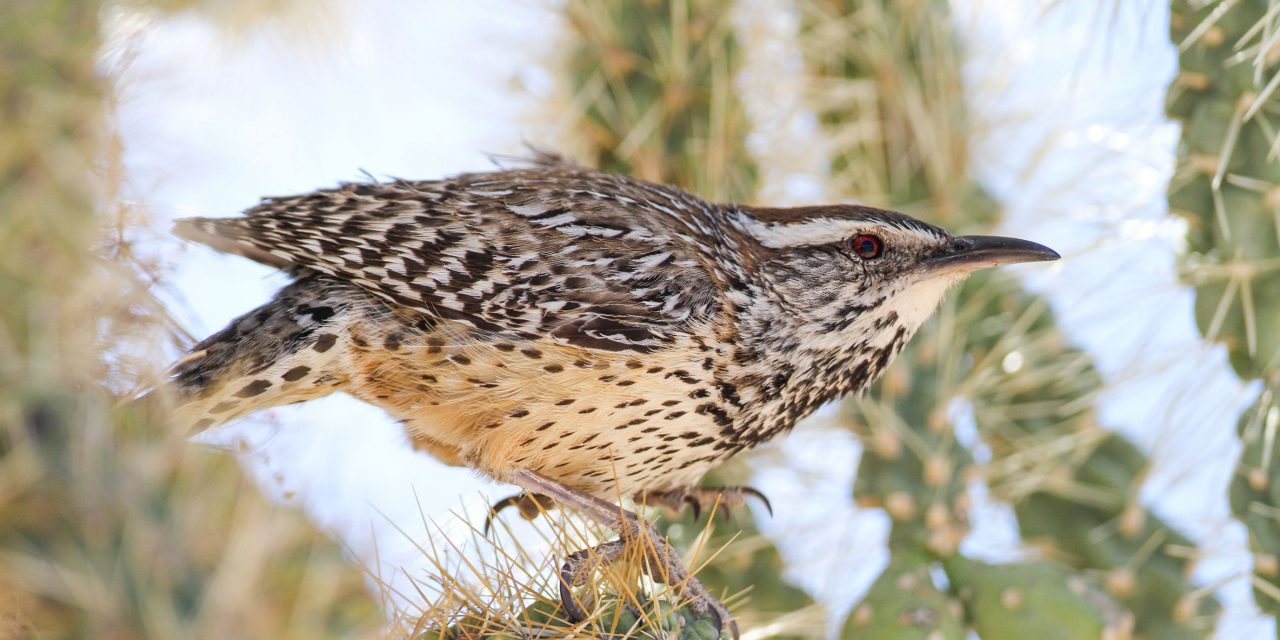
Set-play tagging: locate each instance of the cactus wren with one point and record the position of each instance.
(580, 334)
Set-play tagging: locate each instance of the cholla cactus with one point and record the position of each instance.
(1033, 600)
(110, 524)
(1227, 188)
(654, 84)
(888, 90)
(905, 604)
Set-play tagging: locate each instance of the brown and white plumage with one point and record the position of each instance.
(613, 335)
(550, 251)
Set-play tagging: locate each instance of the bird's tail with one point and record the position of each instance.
(228, 235)
(288, 350)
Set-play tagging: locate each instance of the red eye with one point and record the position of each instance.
(867, 246)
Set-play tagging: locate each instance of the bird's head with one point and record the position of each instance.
(850, 272)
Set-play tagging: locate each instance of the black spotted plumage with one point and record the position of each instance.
(613, 335)
(554, 250)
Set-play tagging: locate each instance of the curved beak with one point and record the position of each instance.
(971, 253)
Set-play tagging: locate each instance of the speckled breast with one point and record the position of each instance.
(605, 422)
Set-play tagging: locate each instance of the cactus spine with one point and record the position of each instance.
(889, 93)
(1227, 188)
(110, 524)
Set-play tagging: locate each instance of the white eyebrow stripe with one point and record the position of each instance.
(826, 229)
(811, 232)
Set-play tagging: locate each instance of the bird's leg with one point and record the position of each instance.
(701, 498)
(661, 560)
(579, 566)
(530, 506)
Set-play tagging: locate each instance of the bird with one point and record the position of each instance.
(580, 334)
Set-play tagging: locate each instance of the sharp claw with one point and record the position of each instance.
(724, 508)
(694, 505)
(716, 614)
(499, 506)
(720, 625)
(531, 505)
(572, 611)
(752, 491)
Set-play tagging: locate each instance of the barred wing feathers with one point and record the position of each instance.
(585, 258)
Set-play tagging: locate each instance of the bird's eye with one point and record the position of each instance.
(867, 246)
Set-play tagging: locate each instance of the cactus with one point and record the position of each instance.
(1034, 600)
(1255, 495)
(904, 603)
(655, 84)
(111, 525)
(615, 619)
(1226, 186)
(888, 91)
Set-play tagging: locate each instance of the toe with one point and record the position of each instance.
(755, 493)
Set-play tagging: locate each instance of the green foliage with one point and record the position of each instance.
(1227, 188)
(889, 92)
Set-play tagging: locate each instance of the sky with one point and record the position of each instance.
(211, 121)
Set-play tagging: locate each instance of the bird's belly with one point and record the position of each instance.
(608, 423)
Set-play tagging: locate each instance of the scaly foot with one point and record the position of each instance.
(530, 506)
(702, 498)
(662, 562)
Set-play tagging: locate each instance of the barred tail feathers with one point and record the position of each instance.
(286, 351)
(228, 235)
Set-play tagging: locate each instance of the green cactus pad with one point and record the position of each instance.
(1255, 495)
(1034, 600)
(904, 604)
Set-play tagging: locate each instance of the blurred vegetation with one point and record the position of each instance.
(1227, 188)
(888, 89)
(111, 525)
(652, 85)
